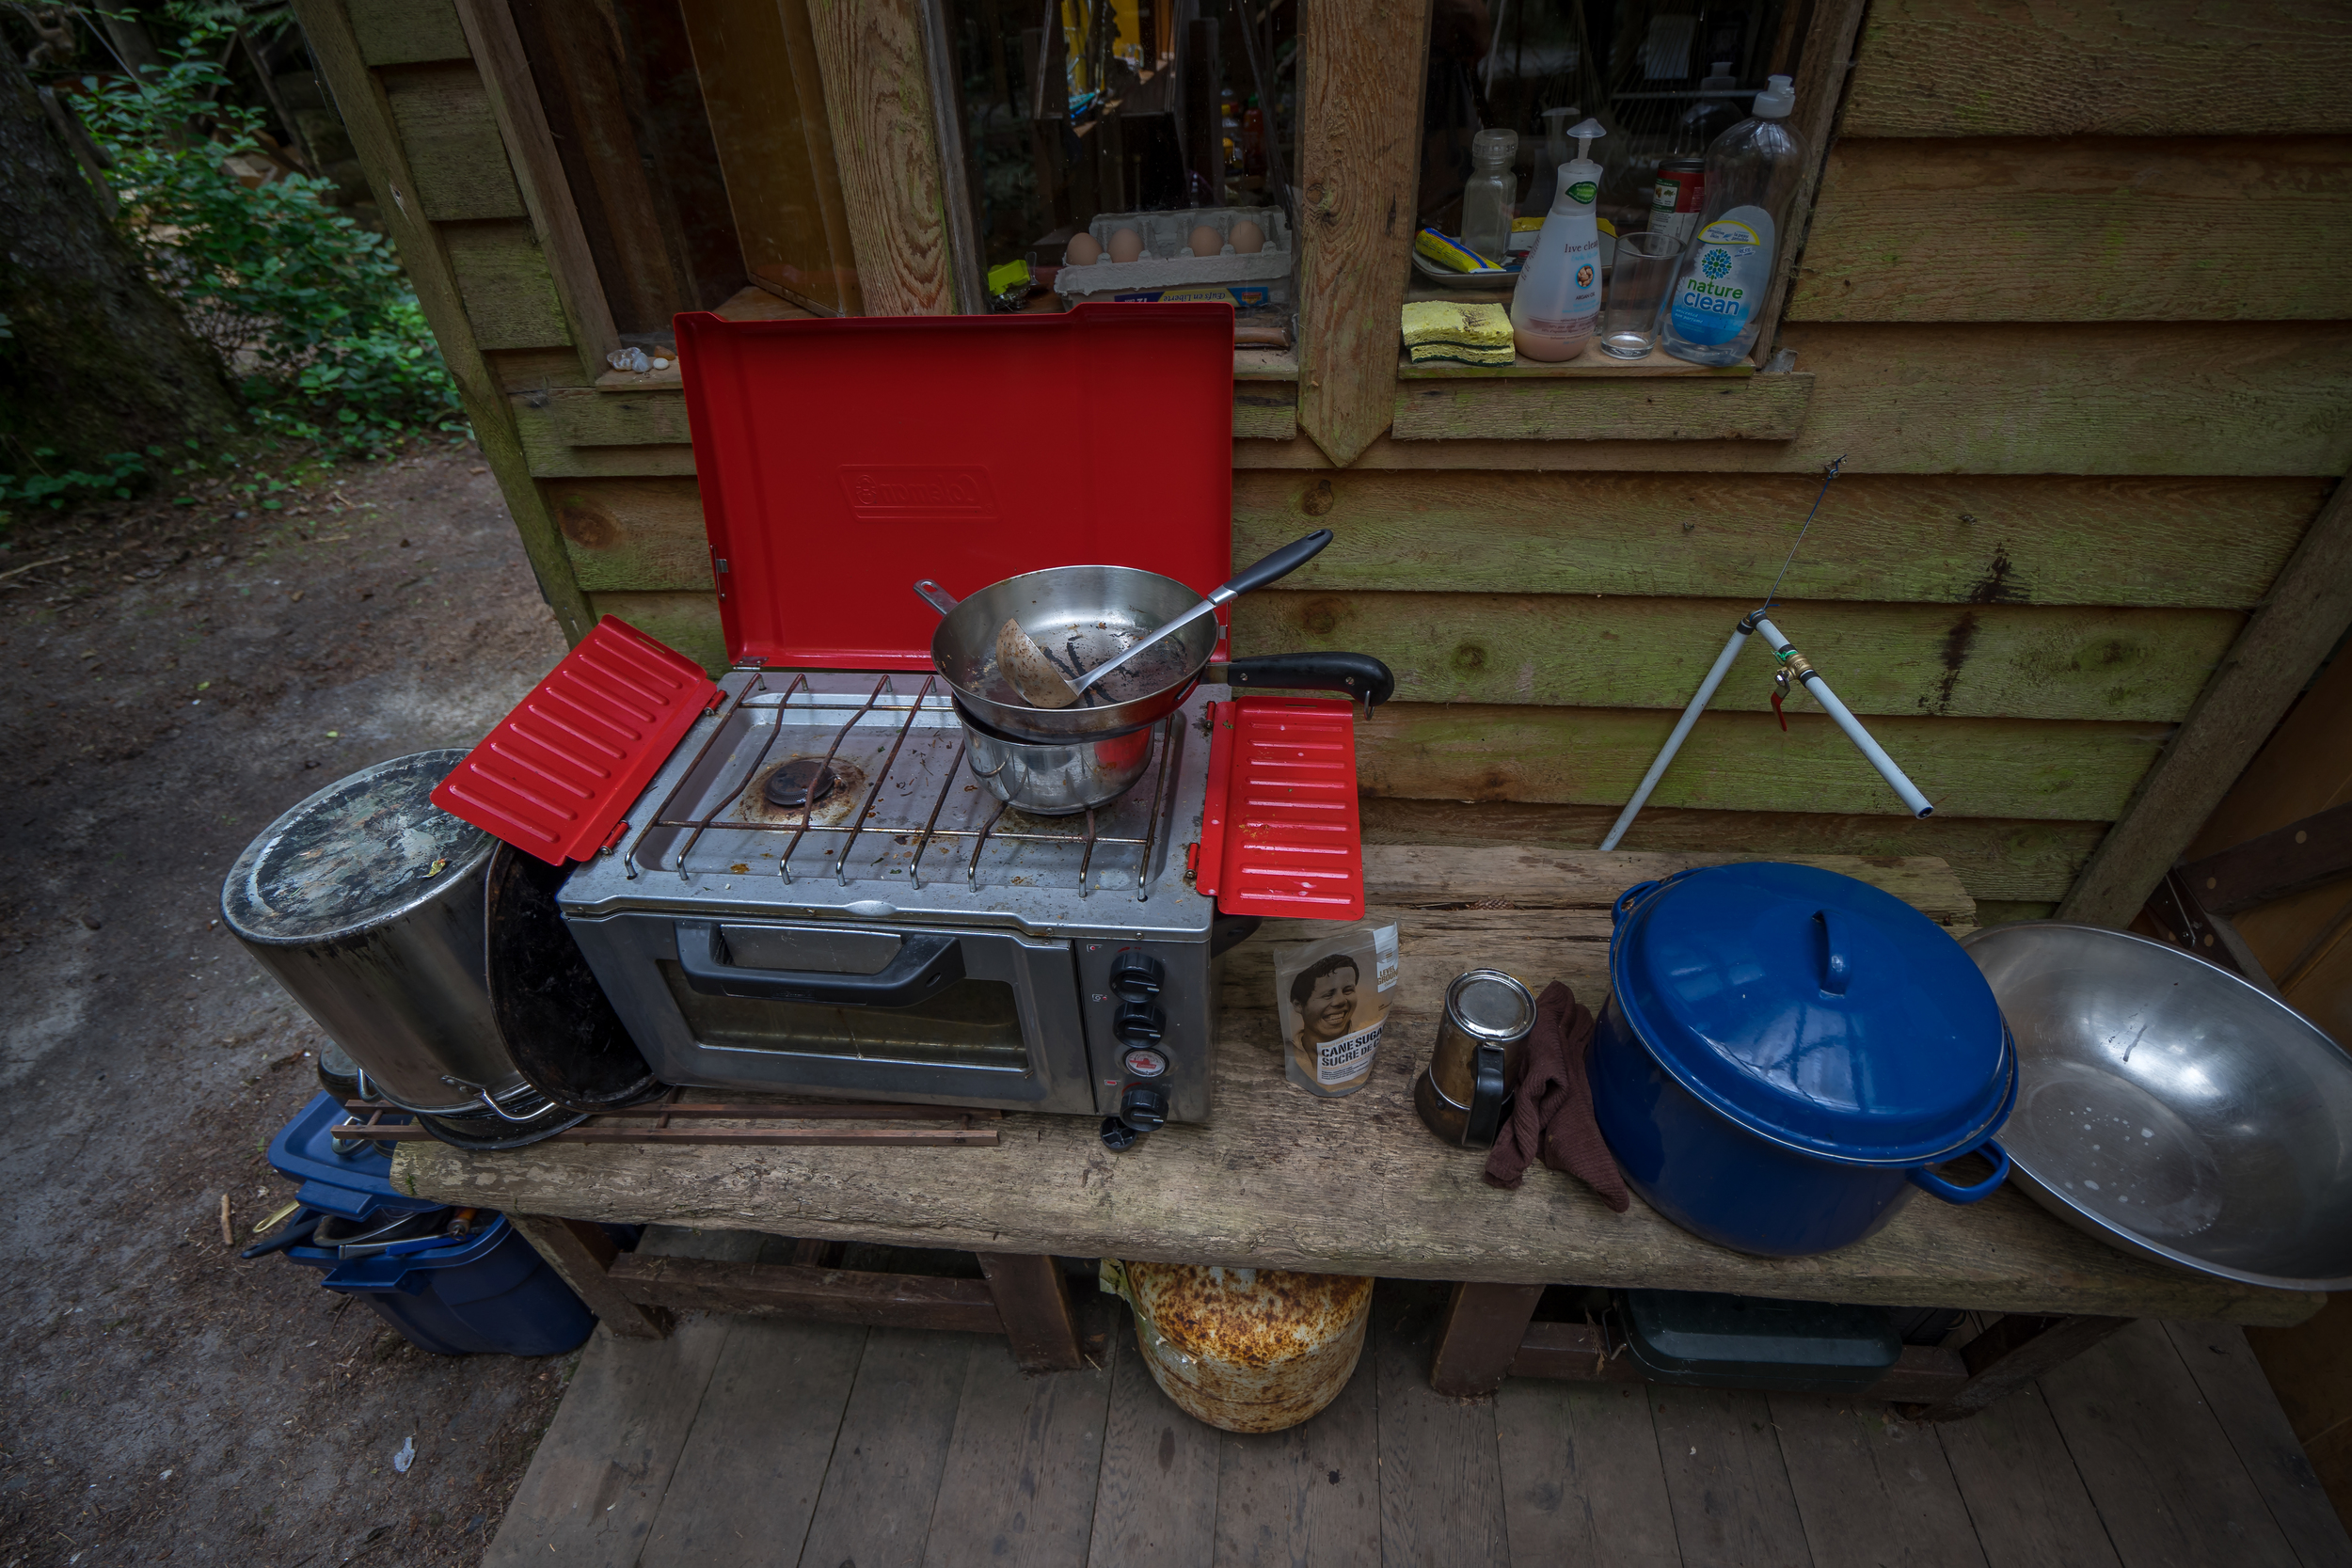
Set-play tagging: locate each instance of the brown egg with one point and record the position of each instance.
(1082, 250)
(1247, 238)
(1207, 241)
(1126, 246)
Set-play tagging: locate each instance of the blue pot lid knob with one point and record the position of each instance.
(1814, 1010)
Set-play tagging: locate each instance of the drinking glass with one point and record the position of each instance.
(1637, 286)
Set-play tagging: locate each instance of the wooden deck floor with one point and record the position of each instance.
(747, 1441)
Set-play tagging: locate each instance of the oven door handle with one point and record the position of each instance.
(924, 965)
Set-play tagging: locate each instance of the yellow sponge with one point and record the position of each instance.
(1473, 334)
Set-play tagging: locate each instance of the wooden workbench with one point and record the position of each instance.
(1278, 1179)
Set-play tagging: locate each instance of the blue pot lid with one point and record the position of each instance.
(1814, 1010)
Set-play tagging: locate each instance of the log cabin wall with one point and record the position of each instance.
(2066, 307)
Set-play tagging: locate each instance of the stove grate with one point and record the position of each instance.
(933, 695)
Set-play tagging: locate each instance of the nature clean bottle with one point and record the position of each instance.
(1726, 269)
(1558, 299)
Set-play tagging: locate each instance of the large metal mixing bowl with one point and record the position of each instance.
(2172, 1110)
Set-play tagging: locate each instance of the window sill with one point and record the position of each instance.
(1591, 363)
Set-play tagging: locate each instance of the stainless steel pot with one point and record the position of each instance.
(1054, 777)
(365, 902)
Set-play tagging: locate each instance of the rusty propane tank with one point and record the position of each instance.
(1246, 1350)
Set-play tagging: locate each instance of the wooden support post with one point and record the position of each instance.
(2015, 1351)
(1822, 64)
(522, 120)
(2299, 622)
(367, 114)
(799, 1291)
(1033, 1299)
(1359, 136)
(878, 103)
(1480, 1337)
(583, 1254)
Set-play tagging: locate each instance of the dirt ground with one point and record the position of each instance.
(186, 674)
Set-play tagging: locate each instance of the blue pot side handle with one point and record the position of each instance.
(1624, 901)
(1952, 1192)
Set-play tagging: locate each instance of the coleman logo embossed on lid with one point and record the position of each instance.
(900, 494)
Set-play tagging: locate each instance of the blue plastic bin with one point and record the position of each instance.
(491, 1292)
(487, 1292)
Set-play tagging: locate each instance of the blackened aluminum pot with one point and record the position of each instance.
(365, 902)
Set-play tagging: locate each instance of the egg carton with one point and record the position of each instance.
(1167, 261)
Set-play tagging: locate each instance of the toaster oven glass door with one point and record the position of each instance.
(919, 1012)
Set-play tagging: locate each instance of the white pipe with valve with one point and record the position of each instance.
(1795, 662)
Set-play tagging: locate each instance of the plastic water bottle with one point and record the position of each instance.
(1712, 316)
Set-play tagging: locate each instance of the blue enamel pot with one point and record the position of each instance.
(1787, 1055)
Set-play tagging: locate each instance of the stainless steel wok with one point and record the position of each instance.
(1082, 617)
(1090, 613)
(2172, 1110)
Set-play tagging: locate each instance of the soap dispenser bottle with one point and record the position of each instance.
(1558, 299)
(1712, 316)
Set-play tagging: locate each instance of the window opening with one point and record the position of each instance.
(1508, 81)
(1132, 150)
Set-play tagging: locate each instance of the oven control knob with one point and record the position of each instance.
(1138, 1023)
(1143, 1108)
(1137, 976)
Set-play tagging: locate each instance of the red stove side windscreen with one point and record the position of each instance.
(553, 778)
(842, 460)
(1281, 832)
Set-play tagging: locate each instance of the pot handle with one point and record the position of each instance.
(1952, 1192)
(1617, 912)
(1359, 675)
(1487, 1094)
(935, 596)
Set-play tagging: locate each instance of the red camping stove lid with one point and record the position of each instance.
(841, 460)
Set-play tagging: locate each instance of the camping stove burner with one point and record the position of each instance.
(800, 782)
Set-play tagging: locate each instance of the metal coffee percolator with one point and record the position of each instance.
(1461, 1093)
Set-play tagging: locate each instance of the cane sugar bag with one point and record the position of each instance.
(1332, 995)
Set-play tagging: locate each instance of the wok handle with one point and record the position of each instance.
(923, 965)
(935, 596)
(1280, 564)
(1359, 675)
(1952, 1192)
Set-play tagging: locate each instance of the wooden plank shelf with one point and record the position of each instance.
(1603, 408)
(749, 1123)
(1277, 1180)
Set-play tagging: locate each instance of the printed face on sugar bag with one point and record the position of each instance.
(1333, 995)
(1330, 1002)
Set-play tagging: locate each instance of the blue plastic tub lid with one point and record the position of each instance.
(352, 1186)
(1814, 1010)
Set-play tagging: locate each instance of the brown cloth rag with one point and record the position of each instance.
(1553, 1112)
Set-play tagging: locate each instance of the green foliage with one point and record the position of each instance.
(123, 471)
(311, 312)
